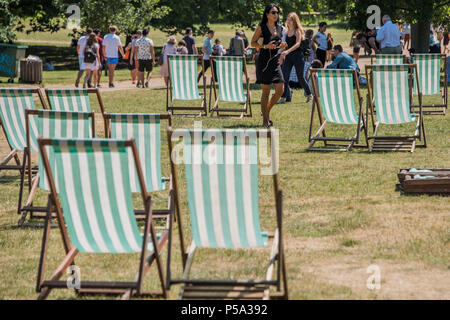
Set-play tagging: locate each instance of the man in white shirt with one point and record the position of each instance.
(111, 47)
(389, 37)
(81, 45)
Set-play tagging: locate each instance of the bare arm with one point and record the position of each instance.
(298, 39)
(152, 50)
(121, 51)
(255, 39)
(78, 49)
(194, 49)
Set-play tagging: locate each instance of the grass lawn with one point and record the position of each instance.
(342, 213)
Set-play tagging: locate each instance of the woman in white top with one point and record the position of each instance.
(168, 48)
(91, 49)
(321, 40)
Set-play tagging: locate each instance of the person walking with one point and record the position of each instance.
(181, 48)
(91, 59)
(169, 48)
(268, 65)
(80, 51)
(292, 56)
(134, 53)
(321, 40)
(190, 42)
(131, 61)
(98, 73)
(145, 52)
(389, 37)
(207, 52)
(111, 48)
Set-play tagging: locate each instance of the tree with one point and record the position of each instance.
(420, 14)
(7, 21)
(126, 15)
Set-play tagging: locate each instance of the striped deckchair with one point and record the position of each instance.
(13, 102)
(229, 72)
(334, 97)
(91, 192)
(429, 72)
(221, 169)
(390, 91)
(387, 59)
(73, 99)
(51, 124)
(182, 84)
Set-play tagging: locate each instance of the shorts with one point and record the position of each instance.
(80, 63)
(112, 60)
(145, 65)
(356, 50)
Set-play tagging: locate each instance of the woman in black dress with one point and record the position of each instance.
(268, 64)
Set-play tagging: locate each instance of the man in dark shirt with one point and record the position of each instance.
(190, 42)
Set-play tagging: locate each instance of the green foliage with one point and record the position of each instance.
(7, 21)
(126, 15)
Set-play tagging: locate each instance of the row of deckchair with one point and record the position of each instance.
(389, 102)
(22, 137)
(90, 183)
(429, 67)
(183, 85)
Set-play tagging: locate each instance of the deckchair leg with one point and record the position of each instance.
(22, 182)
(11, 155)
(187, 268)
(44, 246)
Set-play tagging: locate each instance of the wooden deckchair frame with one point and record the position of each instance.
(374, 57)
(33, 183)
(347, 143)
(14, 153)
(169, 95)
(246, 111)
(396, 143)
(436, 109)
(127, 289)
(90, 90)
(231, 289)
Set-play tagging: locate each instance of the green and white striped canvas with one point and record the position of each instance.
(96, 199)
(336, 95)
(183, 75)
(13, 103)
(69, 100)
(429, 70)
(222, 186)
(61, 124)
(145, 129)
(229, 74)
(391, 94)
(389, 59)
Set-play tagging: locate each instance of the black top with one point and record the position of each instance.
(291, 41)
(268, 37)
(190, 41)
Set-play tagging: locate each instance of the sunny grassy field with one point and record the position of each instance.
(342, 213)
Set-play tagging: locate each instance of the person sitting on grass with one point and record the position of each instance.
(344, 61)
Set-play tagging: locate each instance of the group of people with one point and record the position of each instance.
(93, 52)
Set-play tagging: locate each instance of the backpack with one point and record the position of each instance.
(215, 50)
(89, 54)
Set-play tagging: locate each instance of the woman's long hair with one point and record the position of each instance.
(91, 40)
(295, 21)
(269, 7)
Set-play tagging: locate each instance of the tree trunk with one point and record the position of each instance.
(420, 37)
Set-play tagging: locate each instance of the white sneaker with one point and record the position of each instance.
(281, 101)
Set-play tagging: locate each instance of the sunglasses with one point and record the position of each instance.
(274, 12)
